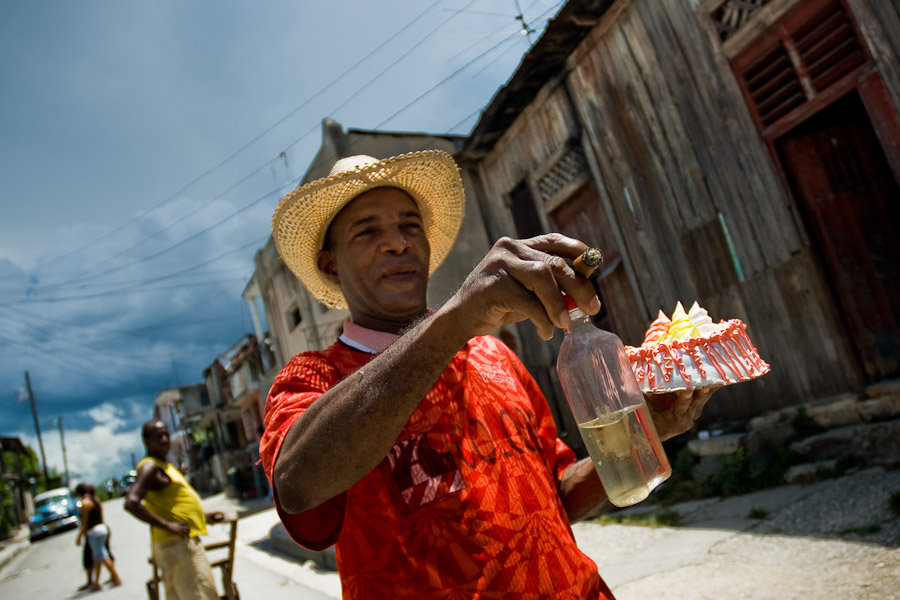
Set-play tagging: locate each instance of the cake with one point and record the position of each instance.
(689, 351)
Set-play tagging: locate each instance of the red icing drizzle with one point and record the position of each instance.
(698, 360)
(716, 359)
(727, 350)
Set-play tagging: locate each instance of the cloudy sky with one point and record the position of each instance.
(144, 147)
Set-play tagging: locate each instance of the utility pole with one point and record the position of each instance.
(37, 427)
(62, 444)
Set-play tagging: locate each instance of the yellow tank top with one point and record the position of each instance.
(178, 501)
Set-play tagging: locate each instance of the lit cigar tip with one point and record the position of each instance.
(592, 257)
(589, 260)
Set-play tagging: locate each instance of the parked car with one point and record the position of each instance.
(128, 478)
(54, 510)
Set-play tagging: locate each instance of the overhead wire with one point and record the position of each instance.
(313, 129)
(294, 111)
(247, 144)
(121, 291)
(291, 145)
(90, 277)
(452, 75)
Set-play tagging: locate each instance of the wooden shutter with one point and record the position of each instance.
(812, 49)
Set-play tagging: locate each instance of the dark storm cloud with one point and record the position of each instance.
(144, 148)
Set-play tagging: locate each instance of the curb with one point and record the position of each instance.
(14, 546)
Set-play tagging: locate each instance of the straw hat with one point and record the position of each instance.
(430, 177)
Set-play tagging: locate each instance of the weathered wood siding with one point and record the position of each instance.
(879, 21)
(697, 200)
(539, 132)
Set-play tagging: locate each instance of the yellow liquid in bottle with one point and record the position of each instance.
(627, 454)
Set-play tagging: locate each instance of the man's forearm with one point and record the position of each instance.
(349, 430)
(582, 493)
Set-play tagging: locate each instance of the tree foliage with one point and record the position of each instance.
(15, 465)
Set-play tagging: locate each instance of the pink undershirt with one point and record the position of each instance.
(368, 340)
(365, 339)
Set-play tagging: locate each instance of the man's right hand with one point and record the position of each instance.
(179, 528)
(523, 279)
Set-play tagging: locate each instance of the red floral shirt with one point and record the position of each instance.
(465, 505)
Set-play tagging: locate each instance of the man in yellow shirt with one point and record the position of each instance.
(162, 497)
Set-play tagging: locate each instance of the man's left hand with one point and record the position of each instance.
(673, 413)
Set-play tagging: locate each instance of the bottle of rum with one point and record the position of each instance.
(610, 411)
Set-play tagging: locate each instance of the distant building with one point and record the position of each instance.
(178, 408)
(236, 384)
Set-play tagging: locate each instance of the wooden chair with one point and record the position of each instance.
(218, 560)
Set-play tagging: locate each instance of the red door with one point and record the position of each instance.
(850, 201)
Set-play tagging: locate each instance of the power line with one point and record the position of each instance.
(94, 327)
(277, 123)
(172, 275)
(421, 41)
(177, 244)
(120, 292)
(356, 94)
(292, 144)
(443, 81)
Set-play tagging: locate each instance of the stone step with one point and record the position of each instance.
(765, 433)
(719, 445)
(810, 472)
(862, 429)
(865, 443)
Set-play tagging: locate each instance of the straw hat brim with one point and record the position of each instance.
(301, 219)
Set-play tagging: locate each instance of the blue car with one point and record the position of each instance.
(54, 510)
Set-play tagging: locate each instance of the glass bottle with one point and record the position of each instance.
(610, 411)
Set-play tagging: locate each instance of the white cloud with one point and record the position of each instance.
(93, 454)
(107, 415)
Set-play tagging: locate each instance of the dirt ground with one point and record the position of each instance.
(835, 539)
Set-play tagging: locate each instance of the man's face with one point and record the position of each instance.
(379, 257)
(157, 439)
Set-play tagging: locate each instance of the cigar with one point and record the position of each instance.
(589, 260)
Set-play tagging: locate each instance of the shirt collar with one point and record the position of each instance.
(365, 339)
(368, 340)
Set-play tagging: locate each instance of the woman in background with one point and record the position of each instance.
(97, 535)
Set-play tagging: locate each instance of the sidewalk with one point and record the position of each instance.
(11, 547)
(235, 507)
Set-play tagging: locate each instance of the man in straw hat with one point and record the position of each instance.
(416, 442)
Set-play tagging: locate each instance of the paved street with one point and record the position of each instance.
(837, 539)
(51, 568)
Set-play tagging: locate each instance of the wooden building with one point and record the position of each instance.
(745, 154)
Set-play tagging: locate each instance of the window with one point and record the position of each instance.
(524, 213)
(293, 316)
(814, 48)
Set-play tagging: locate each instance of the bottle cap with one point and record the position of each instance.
(574, 311)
